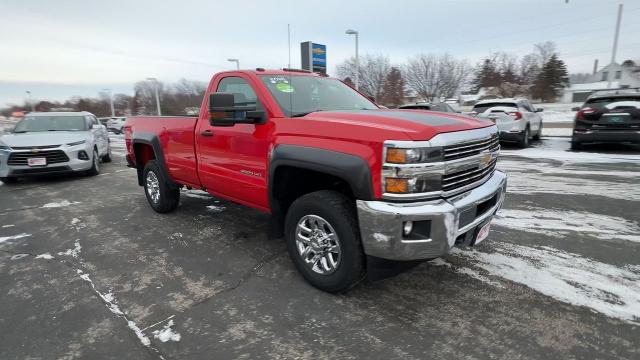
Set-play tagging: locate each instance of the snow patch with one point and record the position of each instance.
(560, 223)
(476, 275)
(167, 334)
(19, 256)
(197, 194)
(62, 203)
(45, 256)
(439, 262)
(380, 237)
(141, 336)
(7, 226)
(13, 237)
(567, 277)
(559, 149)
(216, 208)
(72, 252)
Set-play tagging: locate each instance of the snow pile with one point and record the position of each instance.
(7, 226)
(560, 223)
(62, 203)
(559, 149)
(75, 252)
(45, 256)
(216, 208)
(166, 334)
(197, 194)
(13, 237)
(565, 276)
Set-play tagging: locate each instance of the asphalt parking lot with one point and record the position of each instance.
(89, 271)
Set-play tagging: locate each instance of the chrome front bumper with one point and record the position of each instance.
(447, 219)
(74, 164)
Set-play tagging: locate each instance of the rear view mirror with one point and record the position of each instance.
(576, 108)
(223, 111)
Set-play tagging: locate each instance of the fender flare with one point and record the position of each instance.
(352, 169)
(154, 141)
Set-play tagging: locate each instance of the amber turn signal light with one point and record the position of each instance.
(396, 156)
(396, 186)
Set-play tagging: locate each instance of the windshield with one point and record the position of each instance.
(51, 123)
(480, 108)
(299, 95)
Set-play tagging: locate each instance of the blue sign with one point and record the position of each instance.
(319, 57)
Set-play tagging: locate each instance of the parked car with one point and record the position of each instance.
(350, 186)
(104, 121)
(115, 124)
(608, 117)
(442, 107)
(53, 143)
(517, 120)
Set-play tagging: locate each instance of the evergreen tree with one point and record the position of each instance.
(486, 75)
(393, 90)
(552, 78)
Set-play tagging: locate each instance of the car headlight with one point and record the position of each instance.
(4, 148)
(76, 143)
(411, 170)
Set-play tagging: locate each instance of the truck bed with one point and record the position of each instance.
(176, 136)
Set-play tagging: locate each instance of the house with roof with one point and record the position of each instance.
(621, 76)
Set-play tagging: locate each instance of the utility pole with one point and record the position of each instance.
(33, 107)
(615, 45)
(155, 82)
(353, 32)
(113, 110)
(289, 43)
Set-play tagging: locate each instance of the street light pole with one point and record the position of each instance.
(113, 110)
(353, 32)
(237, 61)
(33, 107)
(615, 44)
(155, 82)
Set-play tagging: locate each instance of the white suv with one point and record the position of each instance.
(517, 120)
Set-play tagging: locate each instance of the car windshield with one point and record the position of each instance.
(601, 103)
(480, 108)
(51, 123)
(414, 107)
(300, 95)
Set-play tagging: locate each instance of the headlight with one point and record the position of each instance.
(4, 148)
(413, 156)
(76, 143)
(411, 170)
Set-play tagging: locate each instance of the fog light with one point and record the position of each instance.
(407, 227)
(82, 155)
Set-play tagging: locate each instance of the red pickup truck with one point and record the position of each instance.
(347, 184)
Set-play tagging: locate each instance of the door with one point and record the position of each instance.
(100, 135)
(232, 161)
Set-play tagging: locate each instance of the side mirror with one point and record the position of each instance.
(576, 108)
(223, 111)
(539, 109)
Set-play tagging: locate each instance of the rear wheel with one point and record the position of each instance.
(576, 146)
(538, 134)
(323, 240)
(95, 164)
(524, 138)
(161, 198)
(9, 180)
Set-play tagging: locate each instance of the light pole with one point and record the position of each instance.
(113, 110)
(237, 61)
(353, 32)
(155, 82)
(615, 45)
(33, 107)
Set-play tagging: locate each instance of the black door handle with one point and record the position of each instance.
(207, 133)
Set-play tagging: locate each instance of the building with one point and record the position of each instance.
(623, 76)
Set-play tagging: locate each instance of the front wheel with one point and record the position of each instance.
(323, 240)
(95, 164)
(161, 198)
(108, 157)
(538, 134)
(9, 180)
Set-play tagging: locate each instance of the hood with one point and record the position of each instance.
(416, 124)
(44, 138)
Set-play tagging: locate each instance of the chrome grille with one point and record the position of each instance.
(52, 156)
(34, 147)
(456, 180)
(470, 148)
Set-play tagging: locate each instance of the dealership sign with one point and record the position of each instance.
(314, 57)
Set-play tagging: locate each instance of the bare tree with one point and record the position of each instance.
(373, 71)
(433, 76)
(544, 51)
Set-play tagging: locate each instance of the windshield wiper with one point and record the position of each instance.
(301, 114)
(20, 132)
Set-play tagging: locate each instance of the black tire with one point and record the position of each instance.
(9, 180)
(107, 158)
(95, 164)
(168, 199)
(538, 134)
(339, 212)
(576, 146)
(523, 142)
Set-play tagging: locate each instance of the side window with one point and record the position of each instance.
(242, 92)
(94, 120)
(88, 121)
(525, 105)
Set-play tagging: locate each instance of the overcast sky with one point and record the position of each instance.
(61, 48)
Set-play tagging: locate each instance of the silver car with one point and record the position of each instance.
(54, 143)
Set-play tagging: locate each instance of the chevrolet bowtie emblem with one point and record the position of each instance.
(35, 150)
(485, 160)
